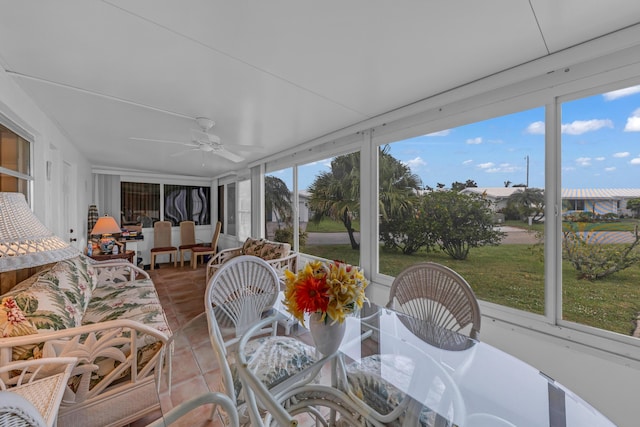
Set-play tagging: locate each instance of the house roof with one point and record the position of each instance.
(600, 193)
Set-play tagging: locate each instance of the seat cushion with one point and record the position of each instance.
(366, 381)
(135, 300)
(274, 359)
(164, 249)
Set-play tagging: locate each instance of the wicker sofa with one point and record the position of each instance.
(278, 255)
(107, 314)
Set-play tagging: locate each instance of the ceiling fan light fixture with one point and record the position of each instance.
(205, 123)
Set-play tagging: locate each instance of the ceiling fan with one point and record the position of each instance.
(202, 140)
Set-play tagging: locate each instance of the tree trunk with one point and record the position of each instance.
(346, 220)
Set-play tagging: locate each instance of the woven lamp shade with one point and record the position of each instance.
(24, 241)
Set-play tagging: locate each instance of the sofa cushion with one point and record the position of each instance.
(13, 322)
(253, 246)
(45, 305)
(274, 250)
(136, 300)
(76, 278)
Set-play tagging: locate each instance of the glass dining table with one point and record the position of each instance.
(392, 369)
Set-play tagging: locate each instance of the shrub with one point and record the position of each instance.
(593, 260)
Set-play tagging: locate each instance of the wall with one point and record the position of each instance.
(50, 145)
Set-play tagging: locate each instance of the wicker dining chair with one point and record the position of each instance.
(187, 239)
(240, 294)
(431, 294)
(435, 293)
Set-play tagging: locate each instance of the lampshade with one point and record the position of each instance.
(105, 225)
(24, 241)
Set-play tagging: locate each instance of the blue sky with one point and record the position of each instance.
(600, 148)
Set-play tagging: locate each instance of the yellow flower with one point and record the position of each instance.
(334, 289)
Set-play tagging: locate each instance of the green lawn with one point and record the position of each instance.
(626, 224)
(513, 275)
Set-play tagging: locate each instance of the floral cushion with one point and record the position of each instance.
(273, 250)
(274, 359)
(76, 278)
(253, 246)
(135, 300)
(367, 383)
(44, 305)
(13, 322)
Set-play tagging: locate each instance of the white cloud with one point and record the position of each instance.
(610, 96)
(440, 133)
(535, 128)
(583, 161)
(611, 169)
(415, 163)
(635, 161)
(486, 165)
(467, 162)
(633, 122)
(579, 127)
(503, 168)
(474, 141)
(600, 159)
(621, 154)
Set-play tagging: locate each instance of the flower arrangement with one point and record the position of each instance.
(334, 289)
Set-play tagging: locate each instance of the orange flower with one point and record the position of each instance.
(335, 289)
(311, 294)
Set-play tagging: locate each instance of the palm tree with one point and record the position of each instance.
(277, 199)
(336, 194)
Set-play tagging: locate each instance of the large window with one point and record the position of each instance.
(140, 203)
(278, 195)
(601, 201)
(329, 208)
(471, 198)
(15, 162)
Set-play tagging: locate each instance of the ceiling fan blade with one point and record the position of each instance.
(164, 141)
(228, 155)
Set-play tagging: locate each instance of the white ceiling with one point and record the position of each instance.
(275, 73)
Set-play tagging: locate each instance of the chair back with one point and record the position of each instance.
(216, 236)
(162, 234)
(237, 296)
(437, 294)
(187, 233)
(16, 411)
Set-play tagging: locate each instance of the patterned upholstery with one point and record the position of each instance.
(68, 295)
(274, 359)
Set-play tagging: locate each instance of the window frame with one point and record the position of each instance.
(28, 177)
(547, 90)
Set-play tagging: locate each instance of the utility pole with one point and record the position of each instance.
(527, 159)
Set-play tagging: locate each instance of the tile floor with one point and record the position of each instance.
(181, 291)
